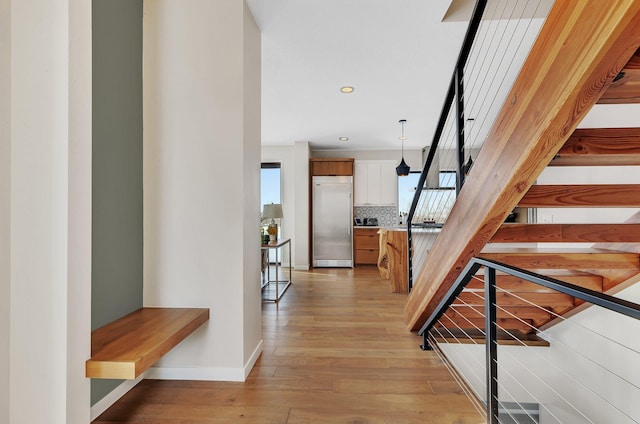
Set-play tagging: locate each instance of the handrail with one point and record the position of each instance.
(604, 300)
(621, 306)
(455, 92)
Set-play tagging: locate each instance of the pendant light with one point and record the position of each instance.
(402, 169)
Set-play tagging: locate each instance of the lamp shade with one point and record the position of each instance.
(402, 169)
(272, 211)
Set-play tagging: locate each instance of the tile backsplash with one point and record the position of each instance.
(387, 215)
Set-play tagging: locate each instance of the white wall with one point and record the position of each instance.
(612, 116)
(201, 173)
(50, 189)
(294, 168)
(590, 367)
(302, 225)
(587, 175)
(600, 116)
(252, 113)
(5, 203)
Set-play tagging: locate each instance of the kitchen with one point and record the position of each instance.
(380, 202)
(296, 189)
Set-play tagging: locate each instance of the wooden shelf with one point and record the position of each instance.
(125, 348)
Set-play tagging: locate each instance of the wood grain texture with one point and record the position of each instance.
(582, 195)
(335, 349)
(516, 285)
(525, 326)
(579, 259)
(397, 254)
(600, 147)
(383, 257)
(563, 233)
(331, 166)
(579, 51)
(535, 314)
(624, 246)
(127, 347)
(627, 88)
(548, 301)
(514, 338)
(366, 242)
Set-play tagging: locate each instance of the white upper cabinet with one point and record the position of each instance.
(375, 183)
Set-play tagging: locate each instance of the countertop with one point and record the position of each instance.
(414, 230)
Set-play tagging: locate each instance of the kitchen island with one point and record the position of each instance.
(394, 256)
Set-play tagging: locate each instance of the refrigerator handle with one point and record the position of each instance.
(351, 223)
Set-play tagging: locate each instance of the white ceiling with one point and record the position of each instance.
(398, 54)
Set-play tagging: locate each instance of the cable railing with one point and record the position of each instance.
(523, 359)
(498, 39)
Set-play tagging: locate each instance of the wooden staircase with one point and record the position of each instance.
(577, 60)
(526, 307)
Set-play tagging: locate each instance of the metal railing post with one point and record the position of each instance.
(454, 86)
(459, 84)
(410, 258)
(491, 340)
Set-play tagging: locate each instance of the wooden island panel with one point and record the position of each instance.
(398, 267)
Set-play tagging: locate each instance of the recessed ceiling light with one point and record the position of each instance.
(346, 89)
(344, 139)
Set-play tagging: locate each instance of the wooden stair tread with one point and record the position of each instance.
(517, 285)
(582, 195)
(525, 326)
(479, 211)
(575, 258)
(600, 147)
(532, 313)
(627, 88)
(514, 337)
(563, 233)
(550, 96)
(549, 301)
(125, 348)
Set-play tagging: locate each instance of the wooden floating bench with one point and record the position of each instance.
(125, 348)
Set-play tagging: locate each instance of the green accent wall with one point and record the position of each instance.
(117, 257)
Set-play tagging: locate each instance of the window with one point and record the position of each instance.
(434, 203)
(406, 190)
(447, 179)
(270, 185)
(270, 192)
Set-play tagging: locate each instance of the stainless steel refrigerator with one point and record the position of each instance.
(332, 221)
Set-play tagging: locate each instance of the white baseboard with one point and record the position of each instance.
(252, 360)
(113, 396)
(301, 267)
(169, 373)
(205, 373)
(196, 373)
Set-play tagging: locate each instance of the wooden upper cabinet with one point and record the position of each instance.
(332, 166)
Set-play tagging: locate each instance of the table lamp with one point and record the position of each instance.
(273, 211)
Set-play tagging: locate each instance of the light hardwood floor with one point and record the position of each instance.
(336, 350)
